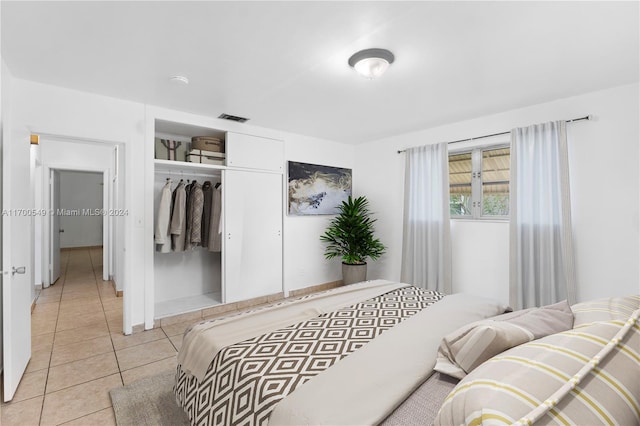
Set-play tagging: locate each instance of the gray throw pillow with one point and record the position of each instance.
(471, 345)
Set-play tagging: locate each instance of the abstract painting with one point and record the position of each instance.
(315, 190)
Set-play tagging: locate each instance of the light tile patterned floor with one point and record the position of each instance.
(79, 352)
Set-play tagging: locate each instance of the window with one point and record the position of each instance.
(479, 183)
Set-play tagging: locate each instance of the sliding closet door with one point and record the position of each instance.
(252, 234)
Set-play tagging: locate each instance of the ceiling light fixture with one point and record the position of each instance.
(371, 63)
(179, 79)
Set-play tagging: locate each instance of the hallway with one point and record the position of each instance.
(79, 352)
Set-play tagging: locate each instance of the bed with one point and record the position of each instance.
(359, 354)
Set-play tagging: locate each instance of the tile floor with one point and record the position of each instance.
(79, 352)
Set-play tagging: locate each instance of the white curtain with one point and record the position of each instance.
(541, 253)
(426, 252)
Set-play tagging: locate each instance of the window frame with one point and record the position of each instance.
(477, 200)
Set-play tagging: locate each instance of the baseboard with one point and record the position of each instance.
(314, 288)
(80, 248)
(33, 305)
(118, 292)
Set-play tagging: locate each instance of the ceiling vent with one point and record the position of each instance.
(232, 118)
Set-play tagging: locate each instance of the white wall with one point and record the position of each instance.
(305, 264)
(603, 161)
(71, 114)
(74, 115)
(3, 79)
(81, 191)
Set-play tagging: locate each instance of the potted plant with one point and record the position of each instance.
(350, 236)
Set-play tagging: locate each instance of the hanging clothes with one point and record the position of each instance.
(178, 227)
(195, 213)
(215, 226)
(207, 190)
(187, 233)
(163, 218)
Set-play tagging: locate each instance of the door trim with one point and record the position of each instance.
(119, 188)
(106, 223)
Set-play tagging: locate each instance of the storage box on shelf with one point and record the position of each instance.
(207, 143)
(205, 157)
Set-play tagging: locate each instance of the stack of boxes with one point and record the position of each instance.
(206, 150)
(202, 149)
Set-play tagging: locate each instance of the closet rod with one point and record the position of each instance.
(586, 117)
(185, 174)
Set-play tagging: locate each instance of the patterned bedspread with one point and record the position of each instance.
(246, 380)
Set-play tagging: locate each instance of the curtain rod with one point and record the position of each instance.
(586, 117)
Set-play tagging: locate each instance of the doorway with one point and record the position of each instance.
(78, 219)
(61, 162)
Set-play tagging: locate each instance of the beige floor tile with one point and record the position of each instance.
(80, 350)
(82, 371)
(76, 293)
(79, 267)
(79, 259)
(78, 401)
(84, 279)
(47, 308)
(120, 341)
(79, 321)
(90, 306)
(79, 334)
(31, 385)
(22, 413)
(91, 289)
(175, 329)
(148, 370)
(42, 342)
(39, 360)
(44, 316)
(114, 304)
(54, 298)
(81, 301)
(108, 293)
(115, 323)
(104, 417)
(177, 319)
(52, 290)
(144, 354)
(219, 310)
(176, 341)
(113, 315)
(42, 326)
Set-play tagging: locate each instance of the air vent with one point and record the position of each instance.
(233, 118)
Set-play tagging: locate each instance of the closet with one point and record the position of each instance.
(248, 262)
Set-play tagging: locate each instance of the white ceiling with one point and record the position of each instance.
(284, 64)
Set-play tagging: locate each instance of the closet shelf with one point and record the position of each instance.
(183, 166)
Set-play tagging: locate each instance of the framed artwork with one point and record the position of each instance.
(317, 190)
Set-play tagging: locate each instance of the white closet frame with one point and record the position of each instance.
(252, 161)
